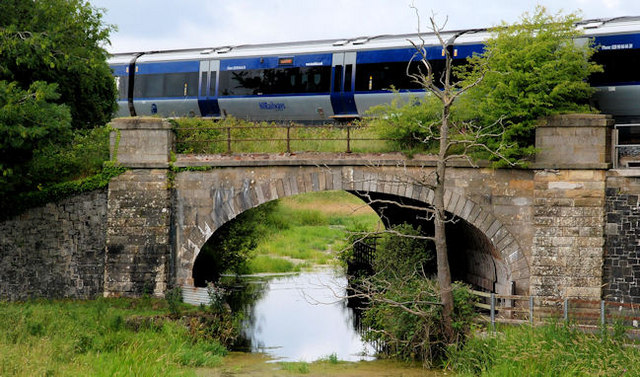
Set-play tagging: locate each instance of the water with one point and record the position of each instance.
(301, 317)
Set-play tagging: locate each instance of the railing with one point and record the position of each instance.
(625, 154)
(587, 314)
(362, 259)
(230, 136)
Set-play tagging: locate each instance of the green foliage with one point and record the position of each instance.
(404, 253)
(28, 120)
(233, 243)
(174, 300)
(404, 312)
(301, 367)
(532, 69)
(408, 124)
(271, 264)
(103, 337)
(552, 350)
(60, 41)
(12, 205)
(404, 316)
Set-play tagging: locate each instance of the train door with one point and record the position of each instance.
(343, 77)
(207, 90)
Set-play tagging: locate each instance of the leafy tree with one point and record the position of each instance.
(28, 119)
(53, 78)
(531, 69)
(59, 41)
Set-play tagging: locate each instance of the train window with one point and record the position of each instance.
(180, 84)
(122, 83)
(212, 84)
(275, 81)
(347, 78)
(148, 86)
(337, 79)
(166, 85)
(384, 76)
(203, 85)
(620, 66)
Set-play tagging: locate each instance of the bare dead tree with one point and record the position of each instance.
(456, 141)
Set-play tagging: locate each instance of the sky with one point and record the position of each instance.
(146, 25)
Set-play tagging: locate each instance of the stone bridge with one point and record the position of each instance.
(563, 227)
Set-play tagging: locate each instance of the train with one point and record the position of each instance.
(337, 80)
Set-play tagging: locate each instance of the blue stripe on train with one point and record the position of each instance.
(315, 60)
(617, 42)
(168, 67)
(406, 54)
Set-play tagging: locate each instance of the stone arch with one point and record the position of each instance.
(230, 194)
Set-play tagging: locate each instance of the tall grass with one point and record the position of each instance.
(551, 350)
(307, 230)
(82, 338)
(210, 137)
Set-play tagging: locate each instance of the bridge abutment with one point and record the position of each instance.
(569, 206)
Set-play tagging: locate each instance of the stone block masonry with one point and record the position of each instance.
(567, 255)
(622, 248)
(55, 251)
(138, 253)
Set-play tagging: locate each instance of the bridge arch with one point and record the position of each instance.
(206, 200)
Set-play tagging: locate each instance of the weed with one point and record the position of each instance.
(295, 367)
(174, 299)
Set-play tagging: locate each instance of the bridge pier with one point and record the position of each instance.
(139, 243)
(569, 206)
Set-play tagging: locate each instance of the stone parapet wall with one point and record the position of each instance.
(142, 142)
(55, 251)
(576, 141)
(622, 248)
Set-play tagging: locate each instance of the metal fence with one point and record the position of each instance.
(587, 314)
(225, 135)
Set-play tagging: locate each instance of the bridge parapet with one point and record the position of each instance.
(142, 142)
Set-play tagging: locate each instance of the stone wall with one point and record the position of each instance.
(55, 251)
(138, 255)
(569, 233)
(622, 248)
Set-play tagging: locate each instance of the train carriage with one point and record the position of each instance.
(333, 80)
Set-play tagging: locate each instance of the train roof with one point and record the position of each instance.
(591, 28)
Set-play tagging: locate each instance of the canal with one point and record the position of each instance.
(301, 324)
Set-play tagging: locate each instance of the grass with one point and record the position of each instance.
(295, 366)
(551, 350)
(316, 229)
(79, 338)
(210, 137)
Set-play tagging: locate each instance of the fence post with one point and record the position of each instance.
(493, 311)
(602, 313)
(288, 139)
(566, 310)
(348, 139)
(531, 309)
(229, 140)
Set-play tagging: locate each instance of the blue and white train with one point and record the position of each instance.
(328, 80)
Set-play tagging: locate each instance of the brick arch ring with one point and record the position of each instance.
(230, 200)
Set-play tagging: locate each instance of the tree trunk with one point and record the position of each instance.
(444, 272)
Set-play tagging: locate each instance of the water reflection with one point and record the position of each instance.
(300, 317)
